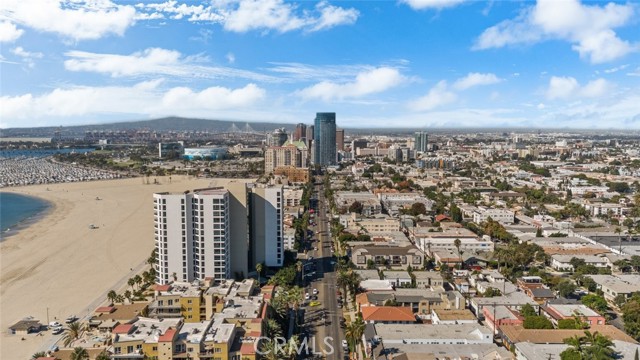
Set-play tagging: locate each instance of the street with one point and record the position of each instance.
(323, 321)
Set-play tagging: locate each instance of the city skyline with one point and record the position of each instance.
(538, 64)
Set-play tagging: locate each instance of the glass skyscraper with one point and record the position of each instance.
(324, 139)
(420, 141)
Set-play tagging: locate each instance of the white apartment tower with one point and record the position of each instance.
(267, 235)
(192, 235)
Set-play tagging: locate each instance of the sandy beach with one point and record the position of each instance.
(61, 264)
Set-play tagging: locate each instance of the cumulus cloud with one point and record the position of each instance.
(438, 96)
(331, 16)
(432, 4)
(568, 87)
(77, 19)
(365, 83)
(589, 28)
(9, 32)
(143, 99)
(263, 15)
(476, 79)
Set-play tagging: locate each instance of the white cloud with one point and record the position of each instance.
(230, 58)
(27, 57)
(589, 28)
(616, 69)
(19, 51)
(568, 87)
(142, 99)
(635, 72)
(213, 98)
(149, 61)
(263, 15)
(365, 83)
(438, 96)
(476, 79)
(331, 16)
(9, 32)
(154, 61)
(432, 4)
(76, 19)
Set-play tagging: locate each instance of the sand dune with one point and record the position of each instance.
(61, 264)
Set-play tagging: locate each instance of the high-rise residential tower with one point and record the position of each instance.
(300, 132)
(218, 233)
(325, 139)
(267, 238)
(420, 141)
(340, 139)
(192, 235)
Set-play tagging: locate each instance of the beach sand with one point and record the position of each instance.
(61, 264)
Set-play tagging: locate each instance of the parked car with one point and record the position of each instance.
(315, 291)
(345, 345)
(54, 324)
(57, 330)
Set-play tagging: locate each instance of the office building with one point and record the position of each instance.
(192, 235)
(300, 133)
(325, 139)
(340, 139)
(420, 141)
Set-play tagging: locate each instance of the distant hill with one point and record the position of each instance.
(162, 125)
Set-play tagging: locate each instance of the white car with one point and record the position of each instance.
(57, 330)
(307, 296)
(345, 345)
(315, 291)
(54, 324)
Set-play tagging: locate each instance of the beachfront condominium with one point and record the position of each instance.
(267, 237)
(192, 235)
(420, 141)
(325, 139)
(218, 233)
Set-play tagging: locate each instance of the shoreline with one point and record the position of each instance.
(30, 220)
(59, 266)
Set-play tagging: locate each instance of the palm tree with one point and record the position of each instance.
(104, 355)
(38, 355)
(299, 269)
(269, 350)
(73, 333)
(128, 295)
(354, 332)
(457, 244)
(79, 353)
(272, 328)
(112, 296)
(131, 282)
(259, 271)
(138, 280)
(291, 348)
(619, 232)
(601, 346)
(120, 299)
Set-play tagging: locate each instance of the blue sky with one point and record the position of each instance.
(407, 63)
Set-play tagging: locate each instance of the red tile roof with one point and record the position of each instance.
(441, 217)
(168, 335)
(123, 329)
(163, 287)
(387, 313)
(247, 349)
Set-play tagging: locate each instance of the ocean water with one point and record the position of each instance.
(17, 210)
